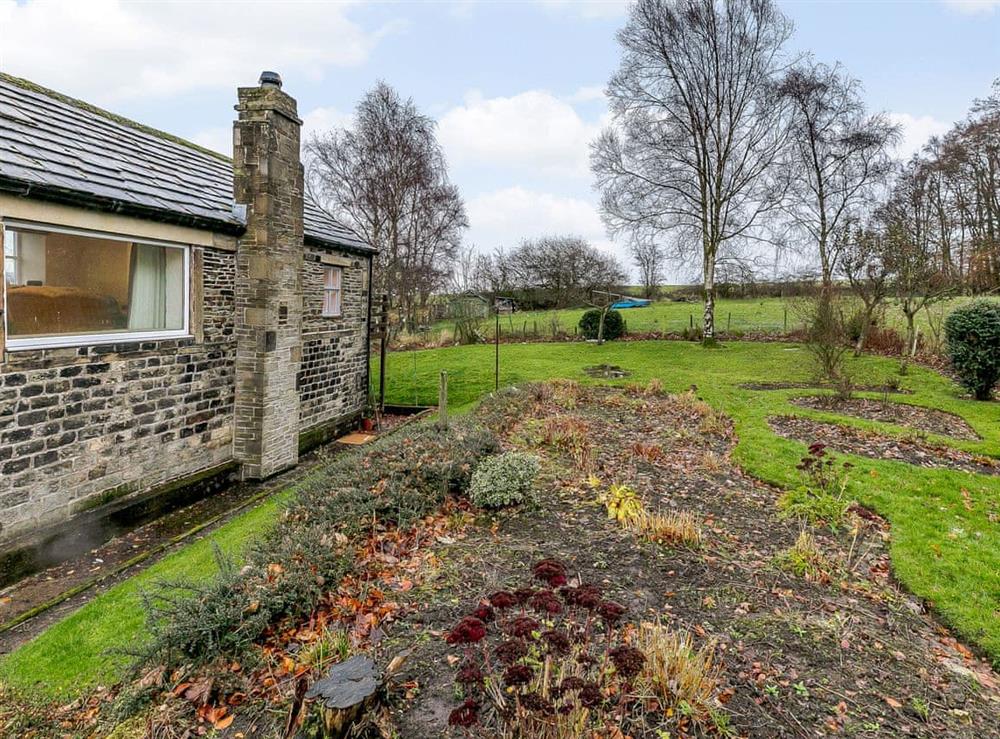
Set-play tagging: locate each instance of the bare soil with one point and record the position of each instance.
(844, 651)
(915, 417)
(912, 450)
(821, 386)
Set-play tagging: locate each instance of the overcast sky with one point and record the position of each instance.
(515, 86)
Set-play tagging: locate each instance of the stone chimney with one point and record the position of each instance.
(268, 184)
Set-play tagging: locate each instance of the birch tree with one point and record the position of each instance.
(697, 126)
(837, 155)
(387, 179)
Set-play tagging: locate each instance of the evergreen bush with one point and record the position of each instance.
(503, 480)
(590, 322)
(973, 335)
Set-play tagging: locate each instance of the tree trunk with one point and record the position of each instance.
(859, 345)
(911, 334)
(600, 327)
(708, 330)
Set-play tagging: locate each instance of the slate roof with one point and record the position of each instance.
(56, 148)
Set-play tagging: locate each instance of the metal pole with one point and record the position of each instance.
(383, 327)
(496, 367)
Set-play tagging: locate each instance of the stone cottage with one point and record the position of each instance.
(170, 317)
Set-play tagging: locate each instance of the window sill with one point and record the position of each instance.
(63, 342)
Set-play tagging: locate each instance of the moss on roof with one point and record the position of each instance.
(121, 120)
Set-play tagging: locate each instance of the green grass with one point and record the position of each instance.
(940, 550)
(79, 652)
(755, 314)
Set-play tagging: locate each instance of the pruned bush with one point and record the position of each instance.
(973, 336)
(590, 323)
(504, 480)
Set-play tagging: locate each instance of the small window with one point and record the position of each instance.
(64, 288)
(331, 290)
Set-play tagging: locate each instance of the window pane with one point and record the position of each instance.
(69, 284)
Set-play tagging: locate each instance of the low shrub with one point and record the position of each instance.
(973, 336)
(885, 340)
(822, 498)
(394, 483)
(504, 480)
(590, 321)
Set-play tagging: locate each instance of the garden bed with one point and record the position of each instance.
(841, 650)
(822, 644)
(911, 450)
(912, 416)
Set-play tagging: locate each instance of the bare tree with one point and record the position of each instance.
(917, 279)
(386, 178)
(697, 125)
(865, 263)
(555, 271)
(837, 155)
(650, 257)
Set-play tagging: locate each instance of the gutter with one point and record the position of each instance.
(66, 196)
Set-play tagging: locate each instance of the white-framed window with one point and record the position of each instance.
(332, 280)
(10, 256)
(69, 287)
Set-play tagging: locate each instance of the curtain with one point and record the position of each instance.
(147, 294)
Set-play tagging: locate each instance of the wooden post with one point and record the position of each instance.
(383, 327)
(786, 319)
(496, 363)
(443, 401)
(691, 320)
(729, 322)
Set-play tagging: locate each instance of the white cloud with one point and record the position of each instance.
(972, 7)
(590, 9)
(505, 217)
(218, 139)
(316, 121)
(322, 120)
(108, 50)
(533, 130)
(917, 130)
(587, 94)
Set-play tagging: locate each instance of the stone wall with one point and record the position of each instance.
(81, 427)
(333, 374)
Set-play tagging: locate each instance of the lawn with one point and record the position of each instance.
(945, 542)
(84, 649)
(731, 315)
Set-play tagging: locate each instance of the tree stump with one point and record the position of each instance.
(345, 694)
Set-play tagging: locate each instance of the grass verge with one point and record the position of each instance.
(79, 652)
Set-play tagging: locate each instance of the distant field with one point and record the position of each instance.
(760, 314)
